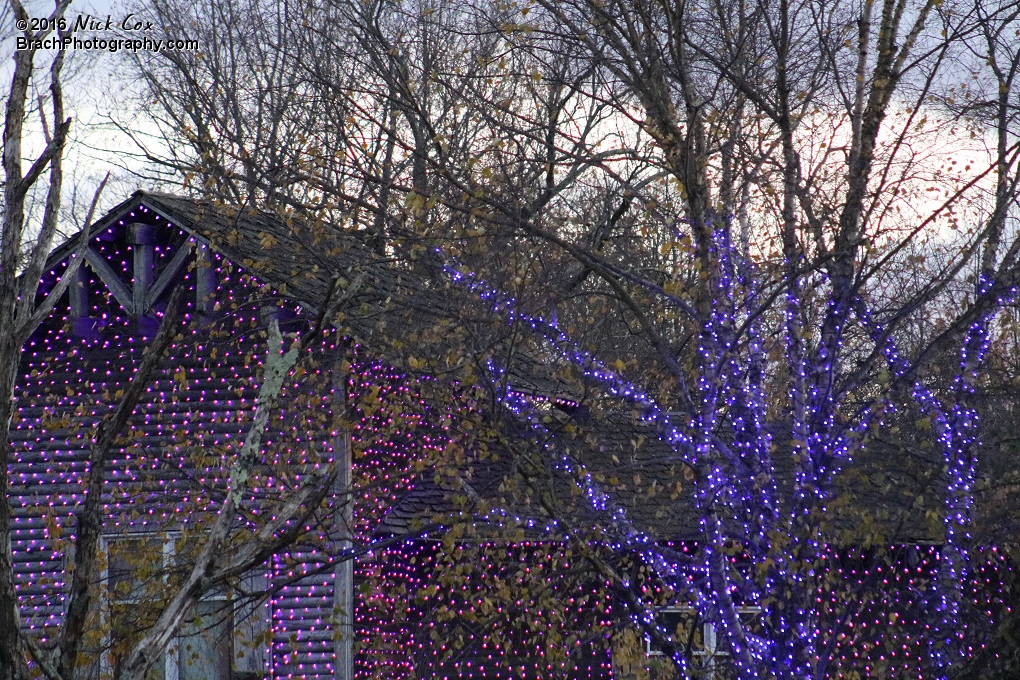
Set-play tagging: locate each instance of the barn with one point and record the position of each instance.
(166, 477)
(309, 610)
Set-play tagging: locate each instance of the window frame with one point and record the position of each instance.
(171, 669)
(710, 651)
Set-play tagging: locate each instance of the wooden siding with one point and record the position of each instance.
(173, 457)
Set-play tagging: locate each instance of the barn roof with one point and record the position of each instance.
(407, 299)
(298, 259)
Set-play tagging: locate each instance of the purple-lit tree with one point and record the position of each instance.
(826, 246)
(764, 228)
(825, 287)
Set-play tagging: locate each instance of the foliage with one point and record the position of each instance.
(764, 234)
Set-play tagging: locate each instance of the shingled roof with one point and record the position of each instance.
(883, 494)
(409, 299)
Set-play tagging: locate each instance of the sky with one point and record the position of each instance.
(96, 87)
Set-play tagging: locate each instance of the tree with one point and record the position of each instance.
(740, 214)
(21, 265)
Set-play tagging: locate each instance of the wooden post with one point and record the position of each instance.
(82, 324)
(79, 294)
(205, 280)
(141, 237)
(343, 586)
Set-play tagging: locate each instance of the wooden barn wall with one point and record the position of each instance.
(176, 445)
(177, 442)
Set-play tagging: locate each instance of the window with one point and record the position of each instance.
(136, 573)
(707, 647)
(204, 644)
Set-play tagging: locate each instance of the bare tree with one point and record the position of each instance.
(22, 259)
(748, 206)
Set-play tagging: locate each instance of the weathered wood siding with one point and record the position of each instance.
(174, 456)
